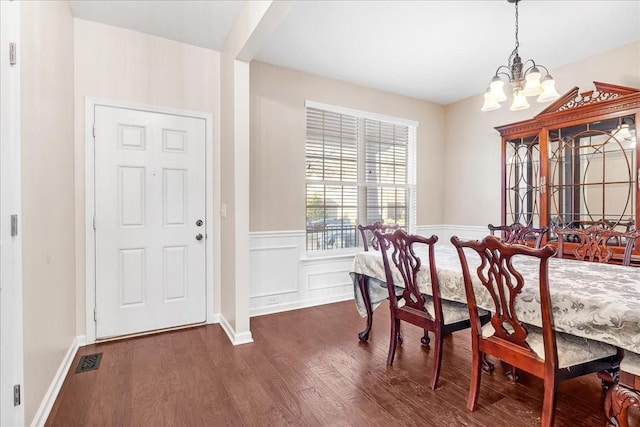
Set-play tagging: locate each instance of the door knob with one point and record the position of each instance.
(199, 223)
(198, 236)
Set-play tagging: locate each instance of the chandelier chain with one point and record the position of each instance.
(515, 50)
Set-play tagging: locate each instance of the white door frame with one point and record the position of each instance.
(11, 340)
(212, 198)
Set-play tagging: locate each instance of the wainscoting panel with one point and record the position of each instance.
(331, 279)
(284, 277)
(276, 268)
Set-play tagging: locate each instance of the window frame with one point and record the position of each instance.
(410, 185)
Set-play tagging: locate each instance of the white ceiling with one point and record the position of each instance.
(440, 51)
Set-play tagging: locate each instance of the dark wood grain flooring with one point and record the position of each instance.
(305, 368)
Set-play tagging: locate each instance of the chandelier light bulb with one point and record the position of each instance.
(519, 101)
(533, 86)
(490, 102)
(497, 89)
(549, 92)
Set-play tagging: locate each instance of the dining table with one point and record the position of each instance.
(597, 301)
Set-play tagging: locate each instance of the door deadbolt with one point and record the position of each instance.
(198, 236)
(199, 223)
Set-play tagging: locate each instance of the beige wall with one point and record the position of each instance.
(128, 66)
(472, 154)
(47, 194)
(278, 142)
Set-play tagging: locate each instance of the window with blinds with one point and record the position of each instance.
(358, 171)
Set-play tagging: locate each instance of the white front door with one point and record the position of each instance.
(149, 221)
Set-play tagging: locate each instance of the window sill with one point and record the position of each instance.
(331, 255)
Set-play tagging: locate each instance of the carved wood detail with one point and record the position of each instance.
(617, 402)
(605, 99)
(586, 98)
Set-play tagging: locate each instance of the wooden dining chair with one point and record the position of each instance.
(401, 255)
(369, 240)
(626, 393)
(518, 233)
(597, 244)
(491, 276)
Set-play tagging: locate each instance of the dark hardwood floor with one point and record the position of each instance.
(305, 368)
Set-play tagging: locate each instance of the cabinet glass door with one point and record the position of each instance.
(592, 174)
(522, 180)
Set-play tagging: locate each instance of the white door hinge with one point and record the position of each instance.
(95, 315)
(94, 222)
(94, 130)
(17, 398)
(13, 60)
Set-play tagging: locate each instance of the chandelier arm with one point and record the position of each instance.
(525, 70)
(507, 73)
(534, 65)
(546, 70)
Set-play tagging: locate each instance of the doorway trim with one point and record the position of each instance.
(11, 300)
(212, 198)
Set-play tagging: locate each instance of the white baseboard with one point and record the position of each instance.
(213, 319)
(235, 338)
(56, 384)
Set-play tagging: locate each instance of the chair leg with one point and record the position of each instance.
(425, 340)
(549, 402)
(437, 361)
(608, 378)
(487, 366)
(393, 340)
(474, 387)
(512, 375)
(363, 284)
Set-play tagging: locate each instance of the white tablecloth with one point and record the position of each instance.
(591, 300)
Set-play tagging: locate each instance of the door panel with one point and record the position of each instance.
(149, 193)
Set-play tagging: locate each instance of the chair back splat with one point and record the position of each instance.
(521, 234)
(493, 280)
(597, 244)
(367, 233)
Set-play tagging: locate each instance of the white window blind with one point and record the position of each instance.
(358, 171)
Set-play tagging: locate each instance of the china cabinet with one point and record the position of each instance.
(575, 164)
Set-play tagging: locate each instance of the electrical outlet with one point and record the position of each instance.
(272, 300)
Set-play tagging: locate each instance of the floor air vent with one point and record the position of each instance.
(89, 362)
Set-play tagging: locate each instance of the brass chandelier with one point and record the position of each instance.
(525, 79)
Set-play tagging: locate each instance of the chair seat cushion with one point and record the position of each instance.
(631, 363)
(451, 311)
(572, 350)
